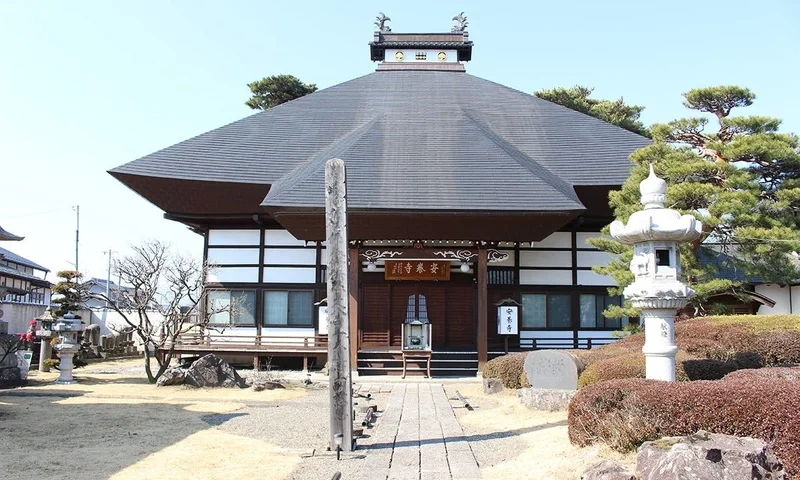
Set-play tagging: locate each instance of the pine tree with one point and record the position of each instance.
(615, 112)
(69, 294)
(738, 175)
(272, 91)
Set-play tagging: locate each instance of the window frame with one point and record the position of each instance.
(547, 326)
(230, 323)
(599, 316)
(313, 319)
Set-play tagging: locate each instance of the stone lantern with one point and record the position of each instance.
(657, 291)
(67, 327)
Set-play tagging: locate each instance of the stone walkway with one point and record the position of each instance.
(418, 437)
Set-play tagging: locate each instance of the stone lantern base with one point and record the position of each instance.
(65, 366)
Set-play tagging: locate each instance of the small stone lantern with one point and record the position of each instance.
(67, 328)
(657, 291)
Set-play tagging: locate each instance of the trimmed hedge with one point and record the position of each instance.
(508, 368)
(626, 413)
(782, 373)
(710, 347)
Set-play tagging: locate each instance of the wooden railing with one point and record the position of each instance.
(196, 342)
(517, 344)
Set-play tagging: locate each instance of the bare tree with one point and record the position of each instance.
(165, 301)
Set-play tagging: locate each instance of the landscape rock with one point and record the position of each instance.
(707, 456)
(10, 377)
(553, 369)
(172, 376)
(607, 470)
(212, 371)
(492, 385)
(266, 385)
(548, 399)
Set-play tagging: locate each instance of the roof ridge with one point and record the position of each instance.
(302, 170)
(543, 173)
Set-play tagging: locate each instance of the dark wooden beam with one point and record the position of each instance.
(483, 307)
(355, 328)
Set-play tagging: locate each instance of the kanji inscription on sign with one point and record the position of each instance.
(417, 270)
(507, 317)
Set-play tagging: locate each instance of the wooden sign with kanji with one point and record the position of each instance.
(417, 270)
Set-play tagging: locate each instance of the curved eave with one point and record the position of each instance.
(196, 197)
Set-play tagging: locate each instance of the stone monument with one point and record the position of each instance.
(657, 291)
(552, 369)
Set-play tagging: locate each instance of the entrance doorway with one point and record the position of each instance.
(450, 309)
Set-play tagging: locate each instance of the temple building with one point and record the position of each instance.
(463, 195)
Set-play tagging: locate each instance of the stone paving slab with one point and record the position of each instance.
(417, 437)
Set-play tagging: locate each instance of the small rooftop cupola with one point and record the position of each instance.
(421, 51)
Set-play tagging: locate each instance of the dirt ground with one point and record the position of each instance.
(519, 443)
(116, 425)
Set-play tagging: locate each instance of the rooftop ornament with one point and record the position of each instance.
(380, 22)
(655, 233)
(461, 23)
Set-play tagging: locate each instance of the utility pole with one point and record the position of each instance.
(108, 277)
(77, 209)
(339, 374)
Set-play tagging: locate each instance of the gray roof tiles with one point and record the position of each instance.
(411, 140)
(13, 257)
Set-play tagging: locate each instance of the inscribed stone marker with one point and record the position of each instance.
(553, 369)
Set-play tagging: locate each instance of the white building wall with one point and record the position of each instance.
(787, 299)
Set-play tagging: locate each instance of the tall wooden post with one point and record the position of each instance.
(483, 308)
(339, 375)
(355, 268)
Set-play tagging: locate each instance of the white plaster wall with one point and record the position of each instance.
(289, 275)
(591, 259)
(532, 258)
(410, 56)
(588, 277)
(228, 256)
(280, 238)
(233, 237)
(555, 240)
(18, 315)
(781, 297)
(545, 277)
(290, 256)
(233, 274)
(582, 237)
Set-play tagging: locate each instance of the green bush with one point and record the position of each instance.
(508, 368)
(52, 363)
(626, 413)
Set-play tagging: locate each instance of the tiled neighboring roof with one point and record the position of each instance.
(724, 266)
(13, 257)
(8, 236)
(411, 140)
(18, 274)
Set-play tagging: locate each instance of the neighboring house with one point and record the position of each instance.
(99, 286)
(754, 296)
(461, 192)
(24, 290)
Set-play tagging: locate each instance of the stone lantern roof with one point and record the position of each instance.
(656, 222)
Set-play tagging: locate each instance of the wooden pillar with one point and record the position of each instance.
(483, 308)
(355, 270)
(339, 333)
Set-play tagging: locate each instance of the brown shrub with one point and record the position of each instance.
(508, 368)
(629, 365)
(625, 413)
(783, 373)
(712, 347)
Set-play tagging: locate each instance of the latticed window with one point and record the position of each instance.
(417, 309)
(422, 55)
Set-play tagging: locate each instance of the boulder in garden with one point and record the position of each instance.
(212, 371)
